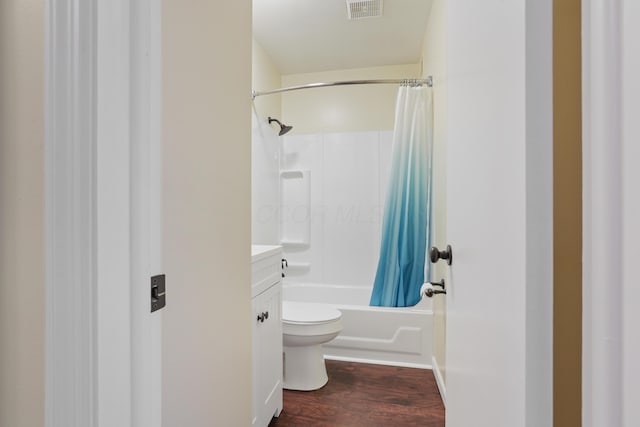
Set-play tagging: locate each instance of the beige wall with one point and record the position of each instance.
(434, 64)
(265, 149)
(206, 208)
(21, 213)
(265, 76)
(339, 109)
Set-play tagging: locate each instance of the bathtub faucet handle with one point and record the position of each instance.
(440, 283)
(431, 292)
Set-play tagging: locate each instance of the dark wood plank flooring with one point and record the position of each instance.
(366, 395)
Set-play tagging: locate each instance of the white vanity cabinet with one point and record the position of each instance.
(266, 305)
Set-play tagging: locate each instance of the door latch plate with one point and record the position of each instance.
(158, 292)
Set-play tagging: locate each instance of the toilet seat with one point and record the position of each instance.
(304, 313)
(304, 319)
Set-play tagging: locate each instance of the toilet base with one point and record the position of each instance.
(304, 368)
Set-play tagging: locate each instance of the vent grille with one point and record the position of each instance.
(360, 9)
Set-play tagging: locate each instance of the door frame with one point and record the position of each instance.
(611, 212)
(98, 75)
(102, 203)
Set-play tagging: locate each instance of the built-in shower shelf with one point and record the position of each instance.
(295, 207)
(295, 244)
(293, 173)
(296, 266)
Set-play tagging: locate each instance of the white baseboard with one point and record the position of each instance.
(377, 362)
(439, 380)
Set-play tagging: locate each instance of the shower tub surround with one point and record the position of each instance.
(332, 193)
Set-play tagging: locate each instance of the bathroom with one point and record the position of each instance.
(319, 189)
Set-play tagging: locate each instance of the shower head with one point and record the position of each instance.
(283, 128)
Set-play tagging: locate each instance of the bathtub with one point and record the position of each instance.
(380, 335)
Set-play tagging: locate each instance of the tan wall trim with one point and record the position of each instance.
(567, 215)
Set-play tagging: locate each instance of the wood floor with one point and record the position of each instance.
(366, 395)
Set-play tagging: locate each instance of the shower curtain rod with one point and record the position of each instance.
(428, 81)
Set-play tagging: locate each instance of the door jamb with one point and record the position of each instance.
(102, 170)
(602, 320)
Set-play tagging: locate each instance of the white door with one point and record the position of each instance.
(499, 213)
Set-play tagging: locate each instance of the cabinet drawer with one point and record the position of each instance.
(264, 273)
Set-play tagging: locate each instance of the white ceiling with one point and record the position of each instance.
(315, 35)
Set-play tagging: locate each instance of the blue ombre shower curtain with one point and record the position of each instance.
(407, 212)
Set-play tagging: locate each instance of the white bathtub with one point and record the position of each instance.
(381, 335)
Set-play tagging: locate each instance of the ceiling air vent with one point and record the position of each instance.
(359, 9)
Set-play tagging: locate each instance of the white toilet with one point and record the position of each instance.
(305, 327)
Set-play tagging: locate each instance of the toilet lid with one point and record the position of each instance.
(305, 312)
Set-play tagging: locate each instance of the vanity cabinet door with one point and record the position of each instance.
(255, 410)
(267, 355)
